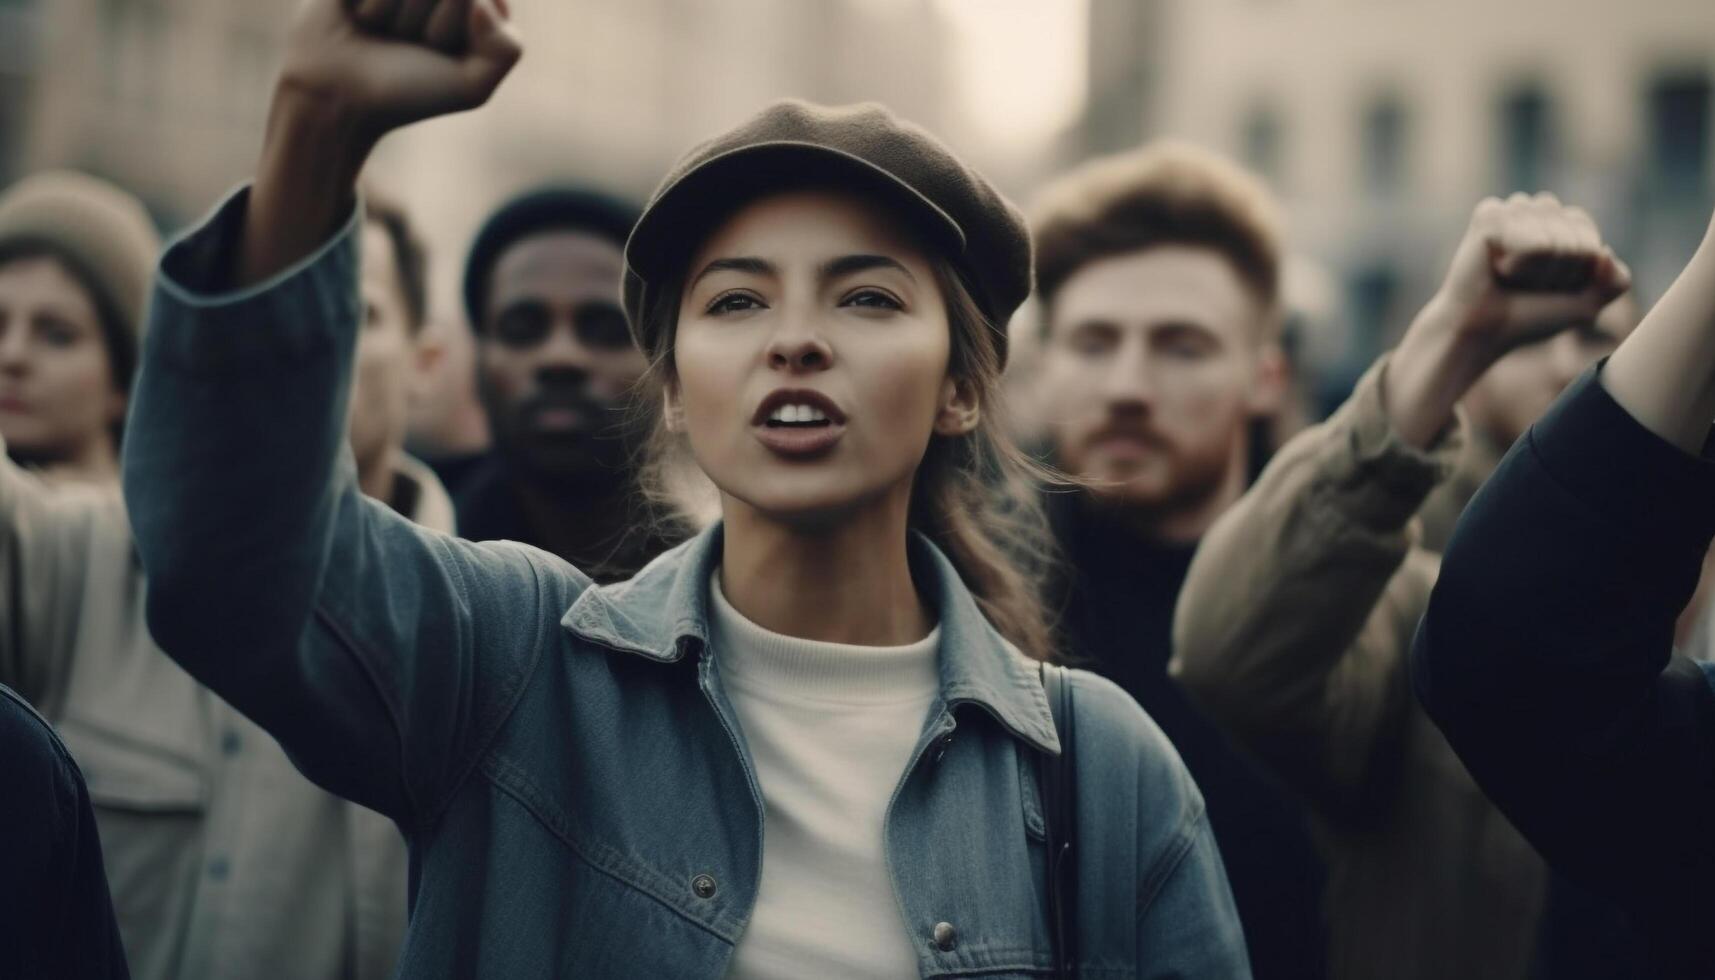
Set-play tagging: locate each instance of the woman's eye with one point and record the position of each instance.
(734, 303)
(57, 334)
(873, 299)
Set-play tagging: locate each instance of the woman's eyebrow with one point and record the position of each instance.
(845, 265)
(747, 264)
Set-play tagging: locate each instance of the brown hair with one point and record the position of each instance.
(1167, 193)
(974, 495)
(410, 258)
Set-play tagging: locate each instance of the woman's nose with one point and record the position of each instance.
(799, 347)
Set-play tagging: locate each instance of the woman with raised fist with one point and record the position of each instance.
(812, 741)
(1298, 612)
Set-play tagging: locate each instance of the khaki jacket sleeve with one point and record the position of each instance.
(46, 537)
(1297, 615)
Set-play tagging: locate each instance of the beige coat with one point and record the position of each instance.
(1293, 631)
(1446, 502)
(222, 860)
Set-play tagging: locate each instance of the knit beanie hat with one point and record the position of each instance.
(863, 147)
(106, 234)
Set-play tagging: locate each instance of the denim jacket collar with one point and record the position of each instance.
(662, 610)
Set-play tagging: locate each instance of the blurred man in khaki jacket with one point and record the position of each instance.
(1299, 609)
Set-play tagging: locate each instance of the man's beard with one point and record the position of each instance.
(1186, 480)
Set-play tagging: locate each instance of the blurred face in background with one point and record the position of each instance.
(59, 399)
(556, 364)
(391, 363)
(1520, 386)
(1153, 369)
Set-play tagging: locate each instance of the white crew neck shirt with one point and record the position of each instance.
(830, 728)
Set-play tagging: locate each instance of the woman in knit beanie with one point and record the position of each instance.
(76, 258)
(814, 740)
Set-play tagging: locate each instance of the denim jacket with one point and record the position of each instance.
(561, 757)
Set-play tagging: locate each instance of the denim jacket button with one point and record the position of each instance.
(946, 937)
(704, 886)
(941, 746)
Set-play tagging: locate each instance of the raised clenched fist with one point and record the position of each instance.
(1528, 267)
(381, 64)
(353, 71)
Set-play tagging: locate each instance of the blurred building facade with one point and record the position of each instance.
(169, 97)
(18, 31)
(1122, 63)
(164, 96)
(611, 92)
(1382, 122)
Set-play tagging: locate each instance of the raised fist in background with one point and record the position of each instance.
(1527, 268)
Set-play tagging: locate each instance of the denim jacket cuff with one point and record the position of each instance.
(202, 326)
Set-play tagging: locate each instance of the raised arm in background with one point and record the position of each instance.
(48, 535)
(1293, 625)
(356, 627)
(1546, 653)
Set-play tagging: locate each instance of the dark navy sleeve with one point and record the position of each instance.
(56, 917)
(1546, 656)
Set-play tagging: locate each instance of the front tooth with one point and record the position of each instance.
(792, 414)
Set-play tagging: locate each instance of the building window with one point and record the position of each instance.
(1372, 290)
(1262, 139)
(1526, 140)
(1386, 125)
(1678, 112)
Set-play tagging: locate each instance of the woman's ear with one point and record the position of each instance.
(960, 410)
(672, 410)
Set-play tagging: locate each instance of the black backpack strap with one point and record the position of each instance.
(1059, 813)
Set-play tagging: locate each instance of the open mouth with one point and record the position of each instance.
(799, 423)
(797, 416)
(797, 407)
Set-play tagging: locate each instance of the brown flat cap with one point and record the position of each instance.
(864, 147)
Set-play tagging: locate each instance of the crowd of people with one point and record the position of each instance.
(761, 640)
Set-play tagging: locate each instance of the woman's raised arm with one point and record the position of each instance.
(355, 70)
(379, 654)
(1664, 374)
